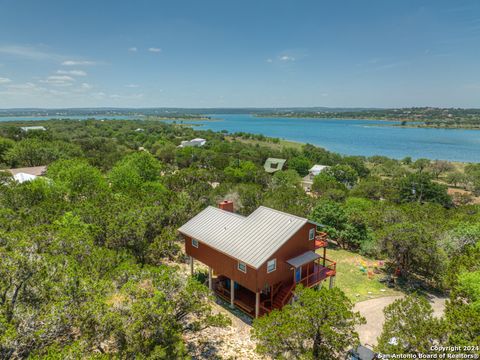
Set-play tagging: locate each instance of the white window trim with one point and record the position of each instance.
(239, 269)
(195, 241)
(274, 267)
(310, 232)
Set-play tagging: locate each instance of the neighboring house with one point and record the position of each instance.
(33, 128)
(22, 175)
(307, 181)
(272, 165)
(256, 261)
(193, 142)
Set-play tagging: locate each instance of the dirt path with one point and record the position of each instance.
(372, 310)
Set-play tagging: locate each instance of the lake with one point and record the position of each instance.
(352, 137)
(359, 137)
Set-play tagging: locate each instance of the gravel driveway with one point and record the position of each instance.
(372, 310)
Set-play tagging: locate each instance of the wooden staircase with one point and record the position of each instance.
(282, 296)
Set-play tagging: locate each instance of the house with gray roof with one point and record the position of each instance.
(273, 165)
(256, 261)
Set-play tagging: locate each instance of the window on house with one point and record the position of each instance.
(274, 165)
(242, 267)
(271, 265)
(311, 234)
(195, 243)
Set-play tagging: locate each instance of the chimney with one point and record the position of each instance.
(226, 205)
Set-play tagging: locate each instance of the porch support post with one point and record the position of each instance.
(332, 282)
(324, 255)
(232, 294)
(191, 265)
(210, 282)
(257, 304)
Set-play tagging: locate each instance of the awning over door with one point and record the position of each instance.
(303, 259)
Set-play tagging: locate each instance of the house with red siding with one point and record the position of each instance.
(256, 261)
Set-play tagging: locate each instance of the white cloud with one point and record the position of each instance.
(29, 52)
(133, 49)
(86, 86)
(72, 72)
(132, 86)
(287, 58)
(77, 62)
(125, 97)
(25, 86)
(5, 80)
(154, 49)
(269, 60)
(58, 80)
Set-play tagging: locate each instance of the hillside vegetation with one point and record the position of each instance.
(88, 253)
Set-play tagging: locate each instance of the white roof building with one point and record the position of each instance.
(317, 169)
(33, 128)
(193, 142)
(251, 239)
(23, 177)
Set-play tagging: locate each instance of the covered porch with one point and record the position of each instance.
(239, 296)
(310, 268)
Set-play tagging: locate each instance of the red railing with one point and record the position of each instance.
(321, 240)
(319, 274)
(289, 294)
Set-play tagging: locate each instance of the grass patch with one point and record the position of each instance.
(276, 146)
(355, 283)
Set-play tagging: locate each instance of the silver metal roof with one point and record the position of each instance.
(252, 239)
(303, 259)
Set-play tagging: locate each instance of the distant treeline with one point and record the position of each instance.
(415, 116)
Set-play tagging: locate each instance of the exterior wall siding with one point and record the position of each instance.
(222, 264)
(296, 245)
(254, 280)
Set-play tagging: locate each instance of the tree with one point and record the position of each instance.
(133, 170)
(300, 164)
(438, 167)
(456, 178)
(324, 182)
(421, 164)
(250, 197)
(318, 325)
(241, 171)
(463, 310)
(5, 145)
(414, 250)
(420, 188)
(344, 174)
(81, 179)
(35, 152)
(331, 215)
(410, 327)
(286, 194)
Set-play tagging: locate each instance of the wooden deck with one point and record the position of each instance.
(280, 293)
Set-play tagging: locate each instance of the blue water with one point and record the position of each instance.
(359, 137)
(351, 137)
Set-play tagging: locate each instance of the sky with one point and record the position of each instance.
(248, 53)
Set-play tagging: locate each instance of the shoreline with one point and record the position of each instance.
(282, 141)
(412, 125)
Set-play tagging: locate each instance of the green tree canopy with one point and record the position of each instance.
(318, 325)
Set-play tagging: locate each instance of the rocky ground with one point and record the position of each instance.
(232, 342)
